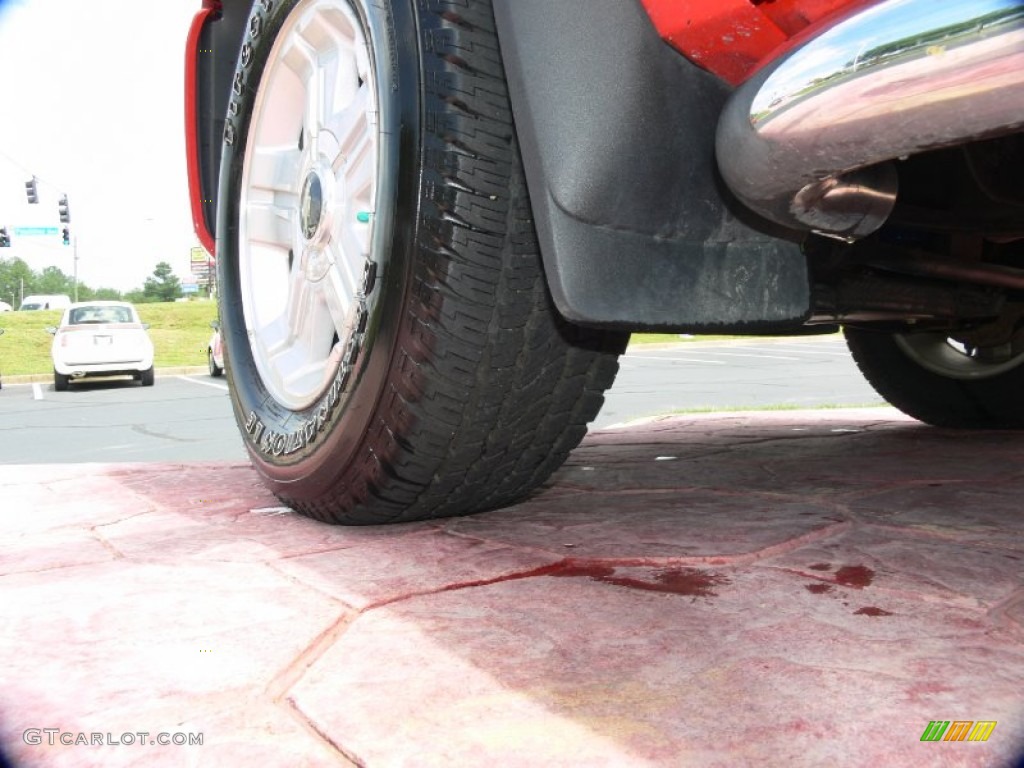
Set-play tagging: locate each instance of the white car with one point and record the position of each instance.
(45, 301)
(101, 338)
(5, 307)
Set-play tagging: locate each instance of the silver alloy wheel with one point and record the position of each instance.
(308, 199)
(938, 353)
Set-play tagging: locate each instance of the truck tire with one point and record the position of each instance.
(392, 350)
(940, 382)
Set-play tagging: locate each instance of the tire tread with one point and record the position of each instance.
(490, 388)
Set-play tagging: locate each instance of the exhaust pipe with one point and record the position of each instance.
(807, 141)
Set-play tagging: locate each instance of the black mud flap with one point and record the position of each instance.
(617, 131)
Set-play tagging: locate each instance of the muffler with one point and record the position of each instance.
(807, 142)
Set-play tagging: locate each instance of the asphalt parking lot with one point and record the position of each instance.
(790, 588)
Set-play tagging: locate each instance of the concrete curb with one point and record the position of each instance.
(32, 378)
(39, 378)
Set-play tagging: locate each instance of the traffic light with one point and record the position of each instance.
(5, 239)
(31, 191)
(63, 210)
(67, 235)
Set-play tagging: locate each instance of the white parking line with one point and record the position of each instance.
(37, 391)
(205, 383)
(796, 350)
(740, 354)
(674, 359)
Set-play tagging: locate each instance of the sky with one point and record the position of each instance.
(91, 103)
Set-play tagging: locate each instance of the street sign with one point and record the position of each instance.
(201, 276)
(31, 231)
(199, 255)
(189, 288)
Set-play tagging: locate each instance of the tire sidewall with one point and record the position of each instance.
(302, 451)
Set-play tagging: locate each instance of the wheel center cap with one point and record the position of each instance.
(311, 206)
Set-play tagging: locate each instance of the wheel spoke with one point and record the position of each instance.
(302, 308)
(277, 169)
(314, 113)
(351, 124)
(354, 245)
(359, 172)
(339, 290)
(338, 85)
(312, 333)
(269, 225)
(298, 342)
(300, 57)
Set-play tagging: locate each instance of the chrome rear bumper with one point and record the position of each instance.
(807, 142)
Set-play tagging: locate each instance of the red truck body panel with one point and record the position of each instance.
(733, 38)
(209, 10)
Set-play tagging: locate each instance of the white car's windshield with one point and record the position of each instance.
(99, 315)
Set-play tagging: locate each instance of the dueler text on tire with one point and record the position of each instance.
(392, 350)
(942, 382)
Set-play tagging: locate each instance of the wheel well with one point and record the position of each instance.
(217, 52)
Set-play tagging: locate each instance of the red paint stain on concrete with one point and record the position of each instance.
(819, 589)
(871, 610)
(568, 570)
(676, 581)
(856, 576)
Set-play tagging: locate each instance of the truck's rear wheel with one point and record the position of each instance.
(942, 381)
(391, 346)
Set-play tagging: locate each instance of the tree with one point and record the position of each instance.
(15, 276)
(53, 280)
(163, 285)
(17, 279)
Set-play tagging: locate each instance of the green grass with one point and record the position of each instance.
(675, 338)
(774, 407)
(180, 331)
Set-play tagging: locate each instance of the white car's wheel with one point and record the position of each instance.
(393, 350)
(215, 370)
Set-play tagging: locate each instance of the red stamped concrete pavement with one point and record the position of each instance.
(792, 589)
